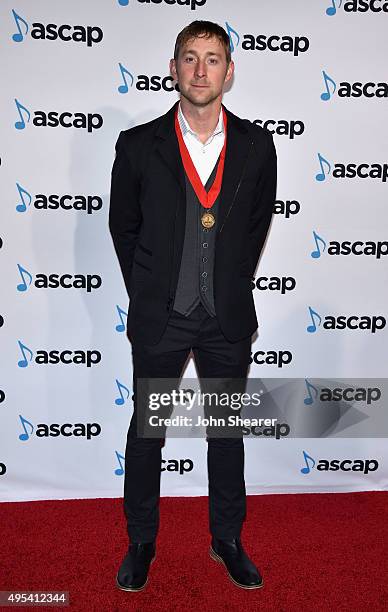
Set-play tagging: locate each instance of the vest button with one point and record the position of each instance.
(204, 288)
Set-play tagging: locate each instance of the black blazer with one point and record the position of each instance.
(147, 222)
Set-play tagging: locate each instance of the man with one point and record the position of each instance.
(192, 198)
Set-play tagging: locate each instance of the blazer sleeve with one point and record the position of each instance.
(124, 209)
(264, 203)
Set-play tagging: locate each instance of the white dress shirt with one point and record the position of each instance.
(204, 155)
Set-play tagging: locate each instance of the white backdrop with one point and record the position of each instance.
(78, 70)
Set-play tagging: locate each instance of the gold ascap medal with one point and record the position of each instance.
(208, 219)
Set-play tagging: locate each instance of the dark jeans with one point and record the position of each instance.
(214, 357)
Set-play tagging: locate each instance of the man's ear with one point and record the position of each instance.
(173, 71)
(230, 71)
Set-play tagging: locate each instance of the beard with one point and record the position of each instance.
(201, 100)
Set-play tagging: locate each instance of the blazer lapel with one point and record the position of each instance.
(168, 147)
(237, 149)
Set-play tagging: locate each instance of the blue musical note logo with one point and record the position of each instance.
(22, 206)
(313, 328)
(321, 175)
(18, 37)
(24, 273)
(326, 95)
(309, 400)
(119, 471)
(25, 436)
(331, 10)
(120, 327)
(307, 458)
(231, 31)
(123, 89)
(20, 125)
(123, 2)
(317, 253)
(23, 363)
(119, 401)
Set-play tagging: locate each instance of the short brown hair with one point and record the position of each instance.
(206, 29)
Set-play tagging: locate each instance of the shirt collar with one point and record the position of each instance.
(187, 129)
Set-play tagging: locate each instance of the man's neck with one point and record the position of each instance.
(202, 119)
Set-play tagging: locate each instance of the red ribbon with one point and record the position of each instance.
(207, 199)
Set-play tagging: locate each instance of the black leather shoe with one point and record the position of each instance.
(133, 572)
(240, 568)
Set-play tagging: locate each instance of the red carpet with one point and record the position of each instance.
(317, 552)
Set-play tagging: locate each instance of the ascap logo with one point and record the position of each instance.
(67, 33)
(338, 394)
(86, 203)
(177, 465)
(89, 282)
(282, 127)
(88, 121)
(180, 466)
(278, 358)
(271, 42)
(352, 90)
(334, 465)
(278, 431)
(363, 323)
(274, 283)
(192, 4)
(357, 6)
(349, 171)
(42, 357)
(121, 326)
(347, 247)
(144, 82)
(288, 208)
(53, 430)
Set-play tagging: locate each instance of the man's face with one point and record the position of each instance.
(201, 70)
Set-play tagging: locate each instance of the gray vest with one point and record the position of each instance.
(195, 282)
